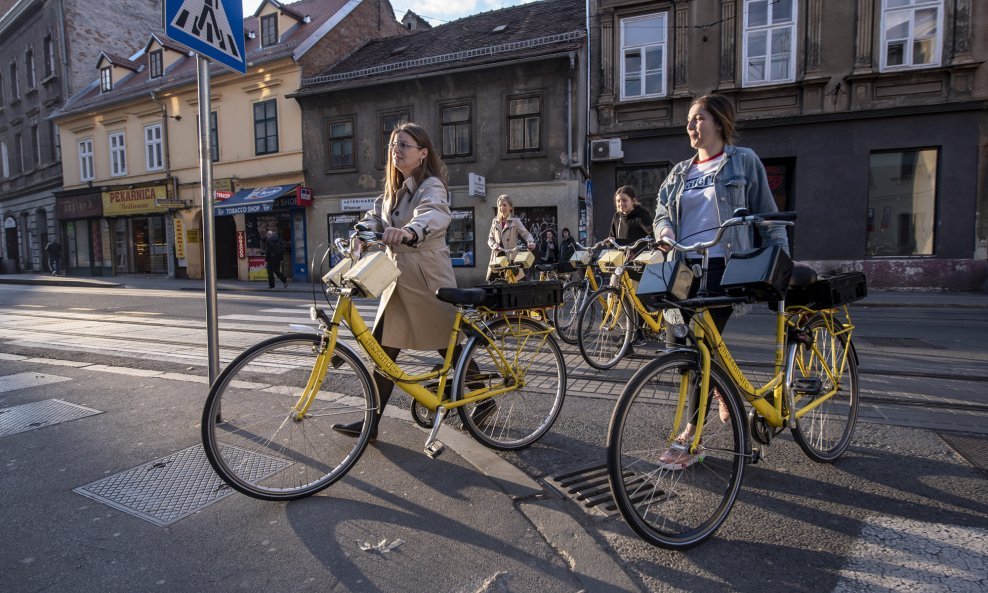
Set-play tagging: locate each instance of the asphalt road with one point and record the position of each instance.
(902, 509)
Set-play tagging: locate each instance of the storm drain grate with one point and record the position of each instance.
(25, 380)
(888, 342)
(40, 414)
(973, 449)
(588, 488)
(173, 487)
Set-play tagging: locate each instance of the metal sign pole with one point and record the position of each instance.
(208, 241)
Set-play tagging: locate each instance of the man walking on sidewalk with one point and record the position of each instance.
(274, 251)
(54, 251)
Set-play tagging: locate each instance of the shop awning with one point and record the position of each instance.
(264, 199)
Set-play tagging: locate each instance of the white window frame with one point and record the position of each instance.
(118, 154)
(30, 76)
(769, 30)
(661, 42)
(907, 9)
(105, 79)
(154, 159)
(87, 171)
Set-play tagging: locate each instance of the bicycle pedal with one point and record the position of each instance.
(758, 455)
(808, 385)
(435, 449)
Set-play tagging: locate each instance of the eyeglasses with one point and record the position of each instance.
(402, 145)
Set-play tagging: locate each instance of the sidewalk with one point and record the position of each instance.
(875, 298)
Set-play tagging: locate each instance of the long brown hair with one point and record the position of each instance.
(722, 110)
(432, 166)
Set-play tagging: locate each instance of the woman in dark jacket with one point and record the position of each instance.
(631, 220)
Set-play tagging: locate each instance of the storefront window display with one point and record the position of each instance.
(460, 238)
(902, 203)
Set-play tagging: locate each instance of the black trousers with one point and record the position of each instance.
(274, 269)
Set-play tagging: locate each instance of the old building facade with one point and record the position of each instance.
(502, 96)
(47, 52)
(132, 200)
(870, 116)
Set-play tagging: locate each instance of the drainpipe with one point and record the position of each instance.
(569, 111)
(173, 260)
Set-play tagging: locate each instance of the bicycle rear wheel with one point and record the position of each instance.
(252, 431)
(605, 328)
(680, 500)
(523, 415)
(565, 316)
(828, 365)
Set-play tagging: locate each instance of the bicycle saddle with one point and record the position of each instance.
(462, 296)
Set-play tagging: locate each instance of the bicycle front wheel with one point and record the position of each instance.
(605, 328)
(672, 496)
(565, 315)
(523, 356)
(825, 367)
(256, 434)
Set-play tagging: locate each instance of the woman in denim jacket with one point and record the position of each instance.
(697, 196)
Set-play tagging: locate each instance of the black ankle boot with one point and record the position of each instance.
(353, 429)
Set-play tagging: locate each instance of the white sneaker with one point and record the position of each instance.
(678, 456)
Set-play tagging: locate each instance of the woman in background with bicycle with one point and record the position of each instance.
(412, 214)
(698, 195)
(505, 232)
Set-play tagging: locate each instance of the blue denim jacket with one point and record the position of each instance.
(740, 182)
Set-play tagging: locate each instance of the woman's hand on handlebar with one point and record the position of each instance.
(665, 240)
(394, 236)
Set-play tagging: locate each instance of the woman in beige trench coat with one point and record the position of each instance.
(412, 214)
(506, 229)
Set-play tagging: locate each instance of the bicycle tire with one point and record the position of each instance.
(251, 433)
(521, 416)
(674, 508)
(565, 316)
(824, 432)
(605, 328)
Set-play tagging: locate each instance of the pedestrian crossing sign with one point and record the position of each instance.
(211, 28)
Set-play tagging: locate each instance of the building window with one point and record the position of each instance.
(29, 74)
(265, 127)
(15, 91)
(269, 30)
(643, 56)
(524, 123)
(18, 160)
(36, 146)
(911, 32)
(460, 238)
(4, 160)
(390, 121)
(2, 100)
(86, 171)
(341, 144)
(153, 153)
(105, 80)
(156, 63)
(49, 49)
(769, 49)
(902, 203)
(54, 142)
(214, 137)
(457, 126)
(118, 154)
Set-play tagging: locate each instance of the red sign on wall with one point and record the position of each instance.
(241, 244)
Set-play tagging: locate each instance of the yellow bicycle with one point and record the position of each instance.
(610, 317)
(676, 461)
(575, 294)
(266, 422)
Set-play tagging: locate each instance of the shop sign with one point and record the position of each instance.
(241, 244)
(477, 185)
(223, 195)
(357, 204)
(224, 184)
(303, 196)
(75, 207)
(256, 268)
(138, 200)
(192, 235)
(179, 238)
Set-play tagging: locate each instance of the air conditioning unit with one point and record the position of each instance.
(608, 149)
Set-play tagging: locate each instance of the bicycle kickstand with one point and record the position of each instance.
(433, 446)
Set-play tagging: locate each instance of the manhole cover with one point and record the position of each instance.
(173, 487)
(887, 342)
(588, 488)
(973, 449)
(34, 415)
(25, 380)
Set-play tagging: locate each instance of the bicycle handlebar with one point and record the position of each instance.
(786, 218)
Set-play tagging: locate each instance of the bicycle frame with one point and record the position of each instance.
(780, 386)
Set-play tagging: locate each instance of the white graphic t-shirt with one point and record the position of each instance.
(699, 217)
